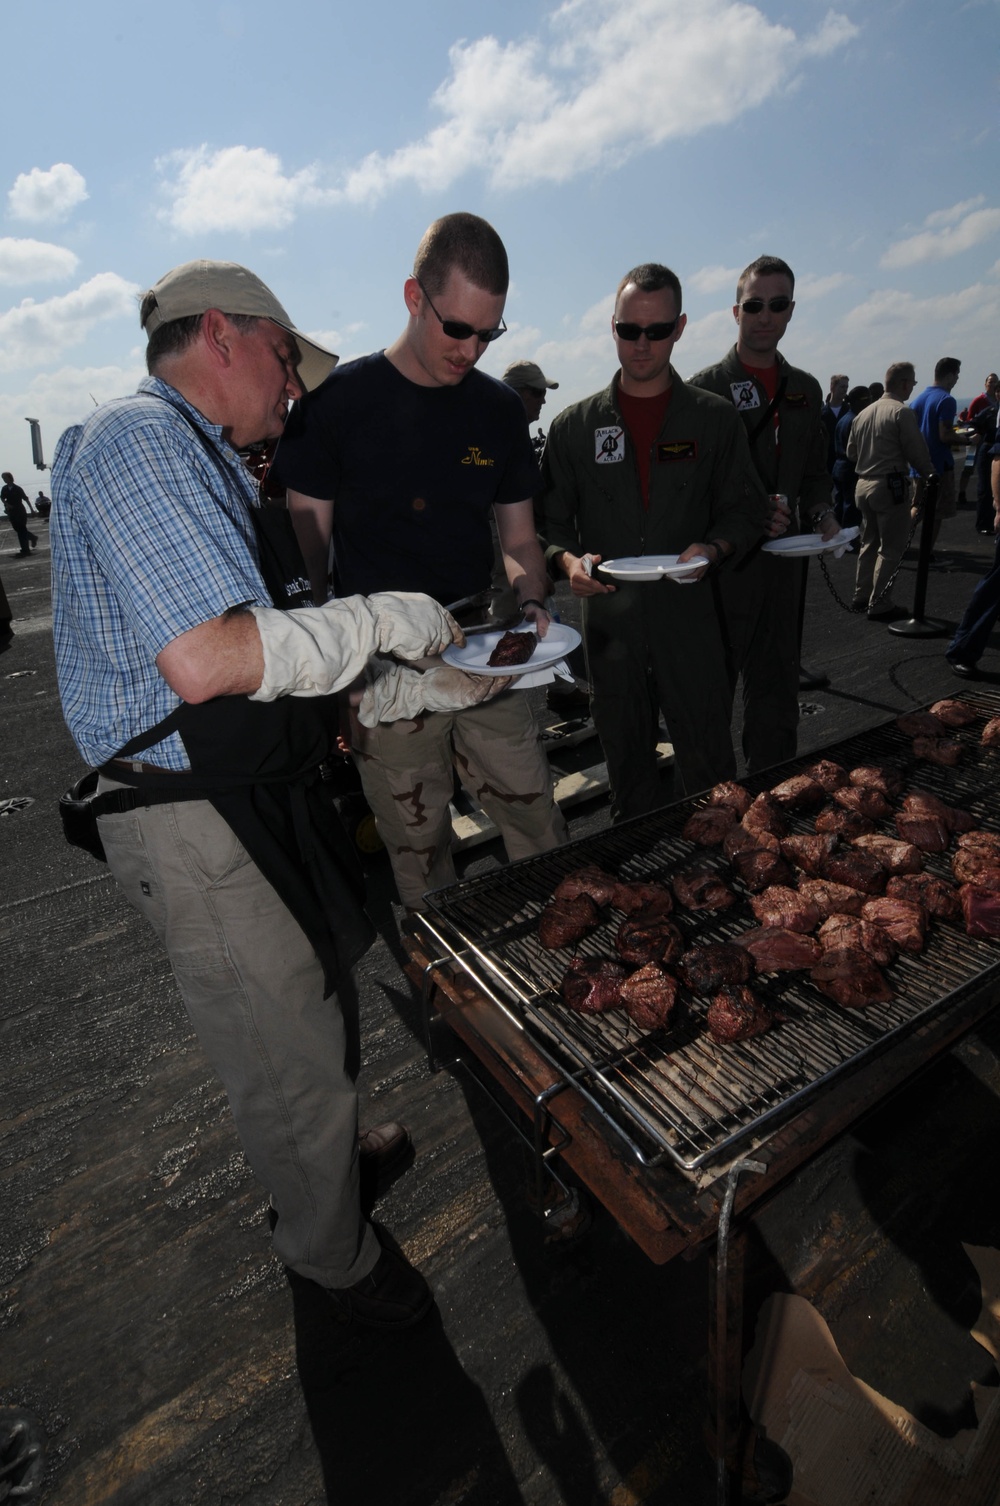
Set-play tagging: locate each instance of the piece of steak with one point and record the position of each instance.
(830, 898)
(809, 852)
(843, 822)
(798, 793)
(849, 977)
(923, 803)
(592, 985)
(764, 815)
(731, 796)
(760, 867)
(740, 838)
(513, 649)
(705, 968)
(832, 776)
(944, 751)
(868, 802)
(954, 713)
(976, 867)
(852, 931)
(781, 906)
(702, 889)
(777, 950)
(924, 829)
(991, 733)
(643, 939)
(938, 897)
(919, 724)
(592, 881)
(640, 895)
(894, 855)
(859, 870)
(905, 921)
(736, 1013)
(980, 910)
(980, 841)
(564, 922)
(648, 996)
(708, 826)
(887, 778)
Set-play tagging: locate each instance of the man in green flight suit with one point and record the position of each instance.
(652, 466)
(780, 407)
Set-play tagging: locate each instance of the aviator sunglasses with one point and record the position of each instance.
(662, 331)
(775, 305)
(457, 331)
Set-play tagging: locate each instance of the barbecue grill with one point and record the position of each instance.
(662, 1125)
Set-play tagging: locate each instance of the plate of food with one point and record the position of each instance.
(653, 567)
(798, 545)
(519, 651)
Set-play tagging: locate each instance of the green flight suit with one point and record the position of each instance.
(654, 646)
(760, 598)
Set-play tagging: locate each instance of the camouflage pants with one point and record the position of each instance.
(407, 771)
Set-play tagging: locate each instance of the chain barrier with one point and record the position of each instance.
(886, 589)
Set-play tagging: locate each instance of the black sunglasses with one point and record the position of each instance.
(456, 331)
(756, 305)
(651, 331)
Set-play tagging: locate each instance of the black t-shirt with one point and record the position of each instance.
(413, 473)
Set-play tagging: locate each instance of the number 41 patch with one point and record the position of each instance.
(608, 445)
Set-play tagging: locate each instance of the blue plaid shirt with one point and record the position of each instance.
(150, 538)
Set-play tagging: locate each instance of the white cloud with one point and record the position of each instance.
(947, 232)
(58, 399)
(813, 286)
(47, 196)
(34, 334)
(238, 188)
(34, 261)
(714, 280)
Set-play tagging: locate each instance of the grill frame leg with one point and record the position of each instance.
(725, 1340)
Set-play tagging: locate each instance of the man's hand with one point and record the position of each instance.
(538, 616)
(581, 581)
(778, 518)
(711, 553)
(828, 526)
(397, 693)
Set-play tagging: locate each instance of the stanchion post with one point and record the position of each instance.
(919, 626)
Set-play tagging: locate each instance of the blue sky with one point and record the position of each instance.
(314, 142)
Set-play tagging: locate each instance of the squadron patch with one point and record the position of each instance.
(609, 445)
(796, 400)
(677, 449)
(745, 395)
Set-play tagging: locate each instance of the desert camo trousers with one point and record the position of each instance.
(407, 772)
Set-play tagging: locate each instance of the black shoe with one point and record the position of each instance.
(22, 554)
(964, 671)
(33, 540)
(894, 614)
(384, 1153)
(392, 1295)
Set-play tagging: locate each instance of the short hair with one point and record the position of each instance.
(6, 476)
(947, 366)
(764, 266)
(858, 398)
(838, 376)
(651, 277)
(900, 371)
(174, 337)
(464, 243)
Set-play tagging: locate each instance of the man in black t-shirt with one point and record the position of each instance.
(400, 457)
(15, 505)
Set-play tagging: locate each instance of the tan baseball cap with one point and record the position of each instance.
(526, 374)
(198, 286)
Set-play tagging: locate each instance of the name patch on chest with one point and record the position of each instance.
(609, 445)
(796, 400)
(745, 395)
(677, 449)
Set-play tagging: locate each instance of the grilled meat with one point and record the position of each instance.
(705, 968)
(652, 938)
(922, 803)
(564, 922)
(708, 826)
(980, 910)
(760, 867)
(798, 793)
(859, 870)
(648, 996)
(702, 889)
(980, 841)
(736, 1013)
(869, 802)
(991, 733)
(843, 822)
(944, 751)
(513, 649)
(592, 985)
(764, 815)
(650, 898)
(905, 921)
(851, 931)
(740, 838)
(919, 724)
(809, 852)
(731, 796)
(831, 899)
(777, 950)
(895, 856)
(938, 897)
(781, 906)
(593, 881)
(887, 779)
(924, 829)
(972, 866)
(851, 979)
(832, 776)
(954, 713)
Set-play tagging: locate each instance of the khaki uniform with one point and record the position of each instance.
(885, 439)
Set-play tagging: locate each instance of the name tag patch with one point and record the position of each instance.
(796, 400)
(677, 449)
(609, 445)
(745, 395)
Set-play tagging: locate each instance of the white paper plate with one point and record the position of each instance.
(559, 641)
(801, 544)
(652, 567)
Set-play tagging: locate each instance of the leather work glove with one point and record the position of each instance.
(397, 693)
(317, 650)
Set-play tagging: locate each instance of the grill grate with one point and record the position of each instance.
(672, 1093)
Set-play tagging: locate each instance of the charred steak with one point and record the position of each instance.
(593, 985)
(954, 713)
(708, 826)
(731, 796)
(736, 1013)
(643, 939)
(564, 922)
(781, 906)
(905, 921)
(851, 931)
(851, 979)
(702, 889)
(777, 950)
(649, 995)
(706, 968)
(938, 897)
(981, 910)
(830, 898)
(592, 881)
(513, 649)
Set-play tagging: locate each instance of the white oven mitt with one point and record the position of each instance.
(316, 650)
(396, 693)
